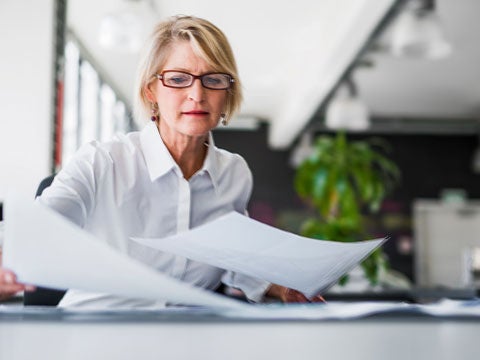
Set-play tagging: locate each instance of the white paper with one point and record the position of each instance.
(45, 249)
(237, 243)
(448, 307)
(353, 310)
(318, 311)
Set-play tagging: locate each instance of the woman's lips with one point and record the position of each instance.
(195, 112)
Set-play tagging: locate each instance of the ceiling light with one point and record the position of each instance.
(346, 111)
(126, 29)
(417, 32)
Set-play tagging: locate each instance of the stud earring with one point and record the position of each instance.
(223, 120)
(154, 117)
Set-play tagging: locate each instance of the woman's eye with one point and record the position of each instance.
(178, 80)
(212, 80)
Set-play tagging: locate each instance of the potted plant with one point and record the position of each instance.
(342, 180)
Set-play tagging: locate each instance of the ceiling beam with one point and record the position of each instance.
(361, 25)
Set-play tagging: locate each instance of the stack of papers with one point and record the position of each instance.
(445, 309)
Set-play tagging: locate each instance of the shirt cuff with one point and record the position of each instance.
(253, 288)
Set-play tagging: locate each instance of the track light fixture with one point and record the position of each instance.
(418, 33)
(346, 111)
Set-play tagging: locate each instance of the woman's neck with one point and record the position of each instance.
(189, 152)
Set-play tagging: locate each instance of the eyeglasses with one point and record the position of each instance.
(180, 79)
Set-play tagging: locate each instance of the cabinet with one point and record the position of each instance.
(447, 241)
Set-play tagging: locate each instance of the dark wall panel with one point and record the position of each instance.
(429, 164)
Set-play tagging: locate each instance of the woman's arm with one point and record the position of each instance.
(71, 195)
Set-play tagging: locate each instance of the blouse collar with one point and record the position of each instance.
(159, 160)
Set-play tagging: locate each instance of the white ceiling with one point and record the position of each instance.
(278, 42)
(437, 89)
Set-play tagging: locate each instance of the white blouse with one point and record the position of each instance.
(132, 187)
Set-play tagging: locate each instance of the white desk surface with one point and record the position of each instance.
(205, 337)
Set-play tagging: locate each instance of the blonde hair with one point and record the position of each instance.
(208, 42)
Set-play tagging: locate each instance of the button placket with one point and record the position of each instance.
(183, 223)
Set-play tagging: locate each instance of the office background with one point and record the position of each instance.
(427, 110)
(431, 158)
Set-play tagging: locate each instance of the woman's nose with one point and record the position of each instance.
(196, 91)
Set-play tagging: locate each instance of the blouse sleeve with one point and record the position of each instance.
(253, 288)
(73, 190)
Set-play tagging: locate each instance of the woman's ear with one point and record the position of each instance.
(150, 94)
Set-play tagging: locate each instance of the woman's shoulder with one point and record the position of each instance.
(119, 145)
(230, 159)
(233, 166)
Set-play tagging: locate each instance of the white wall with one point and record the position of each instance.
(26, 71)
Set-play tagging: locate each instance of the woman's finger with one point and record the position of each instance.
(6, 296)
(11, 288)
(297, 296)
(318, 298)
(289, 295)
(9, 285)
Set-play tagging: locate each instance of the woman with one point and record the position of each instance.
(169, 177)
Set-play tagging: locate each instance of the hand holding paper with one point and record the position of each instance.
(237, 243)
(45, 249)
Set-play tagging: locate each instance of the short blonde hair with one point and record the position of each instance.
(207, 41)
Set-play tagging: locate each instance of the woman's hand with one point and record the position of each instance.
(8, 283)
(288, 295)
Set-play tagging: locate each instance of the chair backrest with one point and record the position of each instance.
(43, 296)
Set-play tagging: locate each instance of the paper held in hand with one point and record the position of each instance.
(45, 249)
(237, 243)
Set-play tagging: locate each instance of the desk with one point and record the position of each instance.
(175, 336)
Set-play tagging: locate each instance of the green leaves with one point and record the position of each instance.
(340, 179)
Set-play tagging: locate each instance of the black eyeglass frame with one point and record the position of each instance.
(160, 77)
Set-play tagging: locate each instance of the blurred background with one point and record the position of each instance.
(403, 71)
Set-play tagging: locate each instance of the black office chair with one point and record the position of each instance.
(43, 296)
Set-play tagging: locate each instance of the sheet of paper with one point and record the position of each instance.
(317, 311)
(238, 243)
(351, 310)
(45, 249)
(448, 307)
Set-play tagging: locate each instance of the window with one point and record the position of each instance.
(91, 109)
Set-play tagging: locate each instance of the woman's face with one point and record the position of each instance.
(191, 111)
